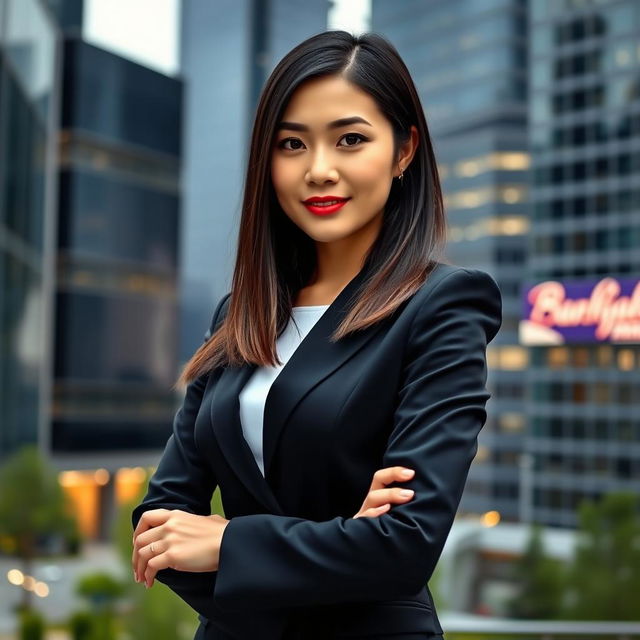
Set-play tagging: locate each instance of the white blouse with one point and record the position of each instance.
(254, 393)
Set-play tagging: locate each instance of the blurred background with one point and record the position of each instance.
(124, 131)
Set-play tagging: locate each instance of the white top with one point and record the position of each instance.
(254, 393)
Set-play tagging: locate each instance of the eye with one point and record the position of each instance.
(353, 135)
(358, 136)
(283, 142)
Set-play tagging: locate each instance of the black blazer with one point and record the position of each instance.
(408, 391)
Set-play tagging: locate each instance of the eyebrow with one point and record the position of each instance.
(334, 124)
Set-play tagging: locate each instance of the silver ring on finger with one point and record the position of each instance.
(152, 549)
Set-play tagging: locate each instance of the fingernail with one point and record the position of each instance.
(407, 472)
(405, 493)
(135, 576)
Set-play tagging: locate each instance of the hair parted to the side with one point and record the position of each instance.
(275, 258)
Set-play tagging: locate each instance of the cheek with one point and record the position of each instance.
(372, 180)
(372, 169)
(282, 177)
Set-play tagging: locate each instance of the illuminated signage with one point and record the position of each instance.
(605, 310)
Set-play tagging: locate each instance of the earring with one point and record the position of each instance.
(401, 176)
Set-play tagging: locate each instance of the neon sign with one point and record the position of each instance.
(605, 310)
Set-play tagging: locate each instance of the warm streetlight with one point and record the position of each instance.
(15, 576)
(490, 518)
(19, 579)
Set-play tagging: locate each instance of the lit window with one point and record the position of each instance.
(626, 360)
(604, 355)
(512, 422)
(514, 358)
(558, 357)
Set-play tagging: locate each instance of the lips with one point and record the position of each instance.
(322, 206)
(319, 200)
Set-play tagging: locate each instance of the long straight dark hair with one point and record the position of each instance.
(275, 258)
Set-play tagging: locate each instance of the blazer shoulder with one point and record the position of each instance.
(445, 277)
(455, 289)
(451, 278)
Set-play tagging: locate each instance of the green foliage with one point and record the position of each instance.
(32, 503)
(81, 625)
(27, 479)
(156, 613)
(604, 577)
(540, 582)
(216, 503)
(100, 589)
(159, 614)
(92, 625)
(434, 588)
(31, 625)
(103, 626)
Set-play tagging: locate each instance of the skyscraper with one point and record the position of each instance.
(228, 50)
(468, 59)
(584, 380)
(115, 320)
(29, 98)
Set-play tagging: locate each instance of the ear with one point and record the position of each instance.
(406, 152)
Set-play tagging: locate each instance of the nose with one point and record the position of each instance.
(321, 169)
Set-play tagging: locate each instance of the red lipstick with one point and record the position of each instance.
(324, 205)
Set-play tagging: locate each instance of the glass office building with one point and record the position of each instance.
(468, 60)
(29, 84)
(228, 49)
(116, 307)
(115, 319)
(585, 138)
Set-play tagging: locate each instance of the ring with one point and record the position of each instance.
(152, 549)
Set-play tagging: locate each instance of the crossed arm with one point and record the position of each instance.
(268, 561)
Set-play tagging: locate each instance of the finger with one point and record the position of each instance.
(373, 512)
(396, 495)
(151, 518)
(146, 554)
(386, 476)
(155, 564)
(148, 519)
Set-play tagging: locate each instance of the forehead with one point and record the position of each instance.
(321, 100)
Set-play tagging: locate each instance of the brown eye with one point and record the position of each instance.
(351, 136)
(283, 142)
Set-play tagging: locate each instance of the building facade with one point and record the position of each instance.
(468, 60)
(116, 320)
(584, 388)
(29, 99)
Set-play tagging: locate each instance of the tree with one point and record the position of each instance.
(32, 505)
(539, 580)
(604, 576)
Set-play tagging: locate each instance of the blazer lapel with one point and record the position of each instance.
(314, 359)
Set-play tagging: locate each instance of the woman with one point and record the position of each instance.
(345, 354)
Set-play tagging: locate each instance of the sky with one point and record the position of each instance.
(125, 28)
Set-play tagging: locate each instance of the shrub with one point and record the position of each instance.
(31, 625)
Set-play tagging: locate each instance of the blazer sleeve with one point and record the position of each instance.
(269, 561)
(183, 480)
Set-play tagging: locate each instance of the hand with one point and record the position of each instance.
(181, 541)
(379, 500)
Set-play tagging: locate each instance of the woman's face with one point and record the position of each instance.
(311, 157)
